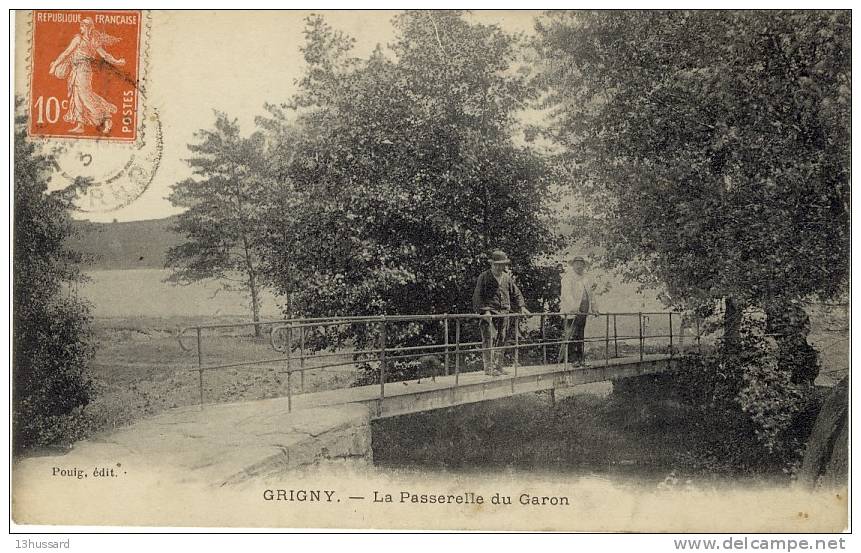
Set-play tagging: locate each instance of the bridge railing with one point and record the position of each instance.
(678, 333)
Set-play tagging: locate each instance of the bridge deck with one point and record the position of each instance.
(425, 394)
(229, 443)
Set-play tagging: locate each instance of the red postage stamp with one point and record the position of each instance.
(84, 74)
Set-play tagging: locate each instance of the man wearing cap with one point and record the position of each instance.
(496, 293)
(578, 300)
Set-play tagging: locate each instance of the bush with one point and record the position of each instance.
(53, 345)
(52, 339)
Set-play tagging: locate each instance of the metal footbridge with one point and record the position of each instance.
(414, 363)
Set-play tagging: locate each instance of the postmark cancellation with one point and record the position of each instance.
(87, 95)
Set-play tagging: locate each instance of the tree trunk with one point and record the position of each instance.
(827, 455)
(255, 302)
(485, 227)
(731, 326)
(252, 285)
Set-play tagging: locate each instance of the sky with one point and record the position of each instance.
(234, 62)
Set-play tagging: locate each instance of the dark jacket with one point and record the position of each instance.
(490, 295)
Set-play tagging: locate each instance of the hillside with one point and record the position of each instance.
(128, 245)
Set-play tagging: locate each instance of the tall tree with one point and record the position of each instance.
(52, 341)
(714, 146)
(408, 170)
(714, 149)
(223, 199)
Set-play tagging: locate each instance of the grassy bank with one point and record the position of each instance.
(141, 370)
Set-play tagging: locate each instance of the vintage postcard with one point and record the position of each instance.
(432, 270)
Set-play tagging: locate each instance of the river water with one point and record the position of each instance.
(583, 436)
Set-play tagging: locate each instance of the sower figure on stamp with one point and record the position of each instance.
(76, 65)
(496, 293)
(577, 299)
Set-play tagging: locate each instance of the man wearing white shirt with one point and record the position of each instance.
(577, 299)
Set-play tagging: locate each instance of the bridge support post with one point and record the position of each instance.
(543, 340)
(382, 361)
(456, 351)
(607, 342)
(671, 334)
(302, 359)
(445, 329)
(456, 360)
(493, 338)
(289, 369)
(640, 318)
(565, 339)
(289, 391)
(199, 367)
(615, 338)
(516, 345)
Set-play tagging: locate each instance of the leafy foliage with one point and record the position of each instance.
(407, 174)
(52, 340)
(220, 224)
(761, 389)
(714, 145)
